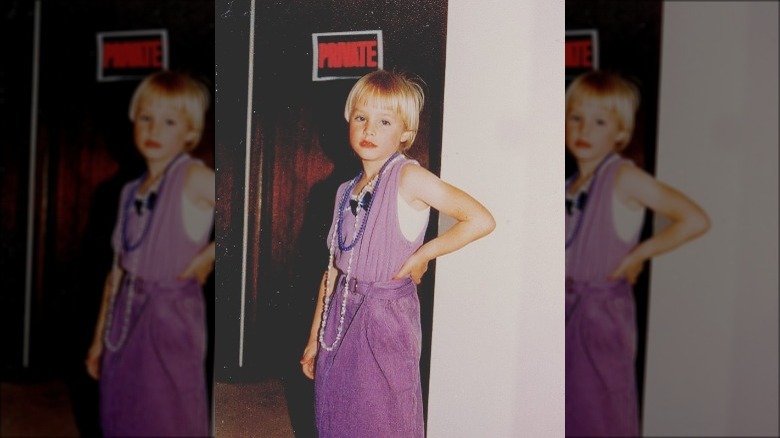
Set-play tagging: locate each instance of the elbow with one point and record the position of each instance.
(704, 224)
(491, 223)
(487, 224)
(699, 224)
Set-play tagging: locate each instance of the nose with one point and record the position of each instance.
(582, 128)
(154, 128)
(369, 129)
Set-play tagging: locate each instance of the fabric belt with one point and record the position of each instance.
(141, 285)
(603, 290)
(380, 290)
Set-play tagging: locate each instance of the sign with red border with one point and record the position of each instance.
(131, 54)
(346, 55)
(582, 52)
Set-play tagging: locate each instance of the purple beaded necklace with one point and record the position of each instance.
(581, 216)
(127, 245)
(345, 200)
(343, 248)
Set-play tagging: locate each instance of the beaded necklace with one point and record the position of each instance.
(359, 228)
(584, 206)
(128, 247)
(126, 244)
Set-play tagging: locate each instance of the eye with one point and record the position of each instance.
(385, 122)
(360, 118)
(601, 122)
(170, 122)
(574, 118)
(144, 118)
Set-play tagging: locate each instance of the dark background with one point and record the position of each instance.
(84, 154)
(630, 44)
(300, 153)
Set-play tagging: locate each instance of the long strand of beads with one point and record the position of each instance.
(127, 247)
(344, 295)
(110, 311)
(348, 277)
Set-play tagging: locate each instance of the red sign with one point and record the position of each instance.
(582, 52)
(131, 54)
(345, 55)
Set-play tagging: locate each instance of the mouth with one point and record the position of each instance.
(152, 144)
(582, 144)
(367, 144)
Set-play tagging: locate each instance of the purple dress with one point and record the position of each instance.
(601, 397)
(153, 382)
(369, 384)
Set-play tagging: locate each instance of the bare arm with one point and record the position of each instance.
(420, 188)
(199, 188)
(635, 187)
(310, 352)
(96, 349)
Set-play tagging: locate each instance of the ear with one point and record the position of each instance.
(192, 137)
(621, 138)
(406, 136)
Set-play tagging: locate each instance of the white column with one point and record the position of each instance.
(712, 358)
(498, 323)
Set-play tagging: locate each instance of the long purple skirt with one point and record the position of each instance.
(155, 384)
(601, 397)
(369, 385)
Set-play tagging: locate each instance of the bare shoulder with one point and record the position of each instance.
(199, 174)
(634, 186)
(630, 172)
(413, 172)
(629, 179)
(197, 169)
(414, 180)
(199, 181)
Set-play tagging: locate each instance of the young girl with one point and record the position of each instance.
(150, 340)
(366, 329)
(605, 202)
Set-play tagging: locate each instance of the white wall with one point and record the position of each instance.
(497, 355)
(712, 359)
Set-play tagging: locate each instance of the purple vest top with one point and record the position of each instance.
(597, 250)
(383, 248)
(166, 248)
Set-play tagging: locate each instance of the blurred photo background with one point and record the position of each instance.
(708, 125)
(68, 150)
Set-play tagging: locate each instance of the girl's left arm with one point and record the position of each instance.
(635, 186)
(421, 188)
(199, 187)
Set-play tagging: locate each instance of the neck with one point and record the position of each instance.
(587, 167)
(156, 170)
(369, 172)
(372, 168)
(157, 167)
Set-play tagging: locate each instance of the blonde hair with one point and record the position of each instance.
(391, 91)
(181, 90)
(618, 94)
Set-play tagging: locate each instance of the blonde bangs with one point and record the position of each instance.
(178, 90)
(392, 92)
(610, 90)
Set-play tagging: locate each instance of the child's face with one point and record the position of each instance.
(375, 134)
(161, 130)
(592, 130)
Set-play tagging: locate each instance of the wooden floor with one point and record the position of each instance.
(44, 409)
(251, 410)
(36, 409)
